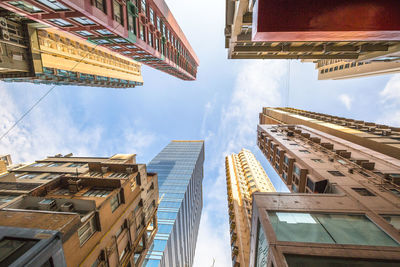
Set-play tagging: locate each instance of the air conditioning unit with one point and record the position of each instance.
(104, 169)
(67, 207)
(3, 22)
(129, 170)
(75, 186)
(47, 204)
(5, 35)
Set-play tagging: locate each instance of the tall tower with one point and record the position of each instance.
(344, 207)
(244, 176)
(50, 56)
(143, 30)
(180, 174)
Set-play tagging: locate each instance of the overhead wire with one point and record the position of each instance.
(46, 94)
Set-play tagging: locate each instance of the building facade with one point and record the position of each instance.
(244, 176)
(143, 30)
(179, 167)
(104, 208)
(21, 247)
(311, 29)
(381, 138)
(52, 56)
(344, 207)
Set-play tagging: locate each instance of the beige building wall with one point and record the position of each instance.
(244, 176)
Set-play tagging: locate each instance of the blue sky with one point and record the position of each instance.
(221, 107)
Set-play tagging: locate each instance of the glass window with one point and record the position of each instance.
(164, 228)
(53, 5)
(101, 41)
(166, 215)
(100, 4)
(56, 164)
(25, 6)
(284, 175)
(84, 33)
(86, 231)
(318, 160)
(116, 47)
(262, 247)
(296, 170)
(158, 245)
(151, 15)
(6, 198)
(336, 173)
(50, 177)
(11, 249)
(84, 21)
(363, 191)
(310, 184)
(61, 22)
(38, 164)
(76, 165)
(97, 192)
(104, 32)
(144, 6)
(118, 12)
(115, 201)
(305, 151)
(28, 176)
(328, 228)
(286, 160)
(119, 40)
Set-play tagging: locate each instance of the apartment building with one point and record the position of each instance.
(104, 208)
(143, 30)
(244, 176)
(344, 208)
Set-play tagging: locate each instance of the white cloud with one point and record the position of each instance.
(346, 100)
(391, 93)
(256, 86)
(47, 130)
(138, 141)
(390, 100)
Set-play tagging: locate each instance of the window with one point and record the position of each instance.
(101, 41)
(104, 32)
(296, 170)
(310, 184)
(118, 174)
(346, 66)
(50, 177)
(395, 191)
(342, 161)
(305, 151)
(151, 15)
(262, 247)
(340, 67)
(86, 231)
(143, 5)
(118, 12)
(100, 4)
(141, 32)
(306, 260)
(6, 198)
(29, 176)
(294, 188)
(336, 68)
(56, 164)
(336, 173)
(363, 192)
(294, 144)
(284, 175)
(286, 160)
(25, 6)
(364, 174)
(318, 160)
(84, 21)
(97, 192)
(76, 165)
(115, 201)
(84, 33)
(61, 22)
(116, 47)
(11, 249)
(53, 5)
(119, 40)
(328, 228)
(38, 164)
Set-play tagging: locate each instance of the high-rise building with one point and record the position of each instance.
(344, 207)
(311, 29)
(179, 167)
(244, 176)
(104, 208)
(339, 69)
(51, 56)
(143, 30)
(382, 138)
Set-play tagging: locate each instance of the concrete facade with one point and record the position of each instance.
(244, 176)
(104, 208)
(143, 30)
(344, 207)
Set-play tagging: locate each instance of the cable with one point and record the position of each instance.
(46, 94)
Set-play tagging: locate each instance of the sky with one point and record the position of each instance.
(220, 107)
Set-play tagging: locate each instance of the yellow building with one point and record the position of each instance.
(51, 56)
(244, 176)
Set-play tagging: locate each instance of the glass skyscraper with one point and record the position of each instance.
(180, 174)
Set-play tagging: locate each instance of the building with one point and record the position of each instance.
(104, 208)
(179, 167)
(338, 69)
(311, 29)
(145, 31)
(381, 138)
(5, 161)
(344, 206)
(50, 56)
(30, 247)
(244, 176)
